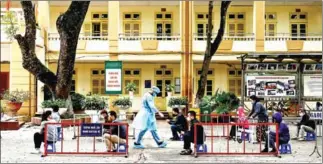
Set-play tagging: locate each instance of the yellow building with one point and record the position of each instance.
(163, 42)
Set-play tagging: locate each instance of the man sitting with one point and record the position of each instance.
(189, 135)
(105, 119)
(179, 124)
(308, 126)
(283, 131)
(305, 118)
(115, 134)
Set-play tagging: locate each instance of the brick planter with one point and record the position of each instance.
(36, 120)
(69, 122)
(10, 125)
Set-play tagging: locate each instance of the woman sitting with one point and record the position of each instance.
(51, 132)
(241, 120)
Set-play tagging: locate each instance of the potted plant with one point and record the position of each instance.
(123, 104)
(48, 104)
(178, 102)
(14, 100)
(94, 103)
(169, 89)
(77, 101)
(131, 87)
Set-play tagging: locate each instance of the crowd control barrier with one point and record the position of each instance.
(217, 140)
(86, 142)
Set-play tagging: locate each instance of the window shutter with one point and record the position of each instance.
(240, 29)
(104, 28)
(87, 29)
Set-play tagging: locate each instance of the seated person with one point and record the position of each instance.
(241, 119)
(115, 133)
(189, 135)
(283, 131)
(305, 117)
(105, 117)
(178, 124)
(51, 131)
(308, 126)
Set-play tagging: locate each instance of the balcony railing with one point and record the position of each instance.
(82, 36)
(290, 36)
(236, 37)
(149, 36)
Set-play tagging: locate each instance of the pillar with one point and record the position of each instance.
(114, 13)
(186, 17)
(259, 24)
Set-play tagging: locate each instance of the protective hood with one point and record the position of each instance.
(277, 117)
(155, 89)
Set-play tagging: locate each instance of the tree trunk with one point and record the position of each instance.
(211, 48)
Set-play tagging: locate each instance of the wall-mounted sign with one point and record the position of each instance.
(264, 86)
(316, 115)
(113, 77)
(312, 85)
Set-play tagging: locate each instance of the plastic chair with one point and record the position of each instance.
(181, 137)
(122, 148)
(201, 148)
(59, 133)
(285, 149)
(245, 136)
(51, 148)
(310, 136)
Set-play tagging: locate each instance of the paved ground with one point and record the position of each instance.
(16, 147)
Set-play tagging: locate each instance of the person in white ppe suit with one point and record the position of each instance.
(146, 120)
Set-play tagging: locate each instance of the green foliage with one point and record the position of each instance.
(170, 88)
(177, 101)
(15, 96)
(77, 101)
(50, 103)
(122, 101)
(95, 102)
(131, 87)
(11, 27)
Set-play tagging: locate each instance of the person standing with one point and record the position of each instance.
(259, 111)
(145, 119)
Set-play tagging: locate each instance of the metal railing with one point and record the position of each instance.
(82, 36)
(149, 36)
(290, 36)
(227, 36)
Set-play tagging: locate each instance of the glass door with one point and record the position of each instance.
(160, 100)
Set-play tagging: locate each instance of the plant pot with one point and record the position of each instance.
(123, 112)
(61, 111)
(169, 94)
(13, 108)
(78, 111)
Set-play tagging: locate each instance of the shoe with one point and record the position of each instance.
(300, 139)
(138, 146)
(265, 150)
(162, 145)
(186, 152)
(175, 139)
(35, 151)
(273, 151)
(295, 138)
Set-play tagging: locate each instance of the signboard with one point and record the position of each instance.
(271, 86)
(91, 130)
(312, 85)
(113, 77)
(316, 115)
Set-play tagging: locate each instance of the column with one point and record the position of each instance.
(186, 17)
(114, 13)
(259, 24)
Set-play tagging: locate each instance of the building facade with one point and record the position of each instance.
(161, 43)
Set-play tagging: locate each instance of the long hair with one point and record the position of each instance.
(46, 115)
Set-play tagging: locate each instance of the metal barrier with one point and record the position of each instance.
(97, 118)
(229, 148)
(86, 140)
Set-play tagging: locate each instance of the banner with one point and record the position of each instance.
(91, 130)
(113, 77)
(312, 85)
(316, 115)
(271, 86)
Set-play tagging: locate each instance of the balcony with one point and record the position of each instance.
(91, 42)
(293, 42)
(238, 43)
(149, 41)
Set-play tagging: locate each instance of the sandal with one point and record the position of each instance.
(186, 152)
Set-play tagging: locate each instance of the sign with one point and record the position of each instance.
(113, 77)
(271, 86)
(91, 130)
(316, 115)
(312, 85)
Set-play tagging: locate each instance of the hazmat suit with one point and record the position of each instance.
(145, 119)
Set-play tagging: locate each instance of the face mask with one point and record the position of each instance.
(188, 119)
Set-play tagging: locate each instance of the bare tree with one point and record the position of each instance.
(211, 47)
(69, 25)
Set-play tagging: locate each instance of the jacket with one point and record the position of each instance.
(199, 134)
(118, 130)
(260, 110)
(242, 118)
(180, 121)
(310, 123)
(283, 130)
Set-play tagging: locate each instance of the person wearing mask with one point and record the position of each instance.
(145, 119)
(283, 133)
(259, 111)
(105, 119)
(51, 131)
(305, 117)
(241, 120)
(178, 125)
(308, 126)
(116, 134)
(188, 136)
(55, 115)
(318, 106)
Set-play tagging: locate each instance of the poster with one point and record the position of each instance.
(113, 77)
(316, 115)
(266, 86)
(312, 85)
(91, 130)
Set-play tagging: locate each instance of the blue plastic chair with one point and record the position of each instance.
(181, 137)
(285, 149)
(310, 137)
(59, 133)
(202, 148)
(245, 136)
(122, 148)
(51, 148)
